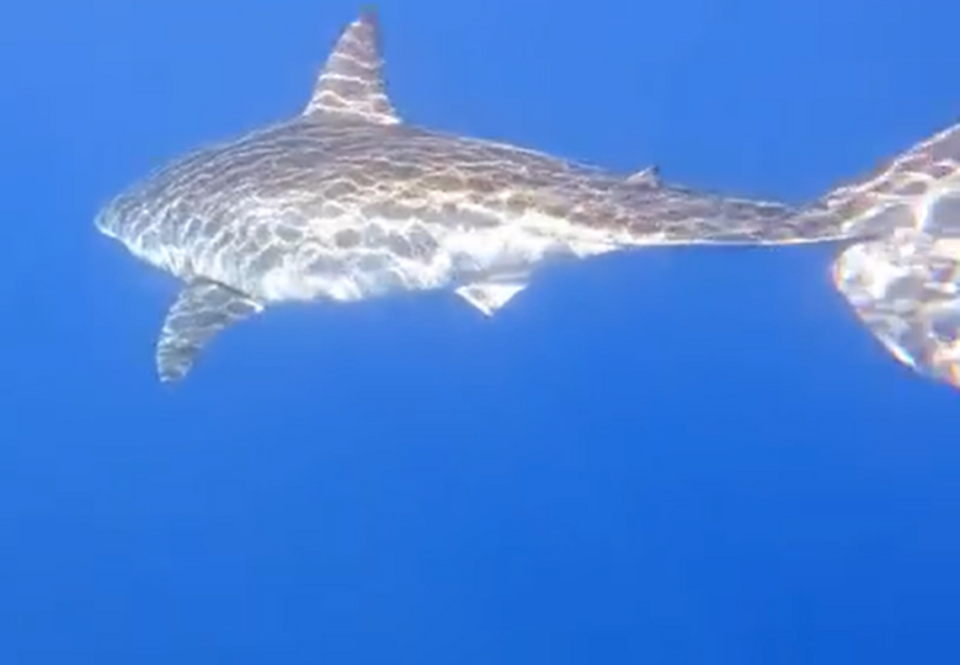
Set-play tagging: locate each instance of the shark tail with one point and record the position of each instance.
(903, 278)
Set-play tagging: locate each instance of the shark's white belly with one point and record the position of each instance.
(351, 262)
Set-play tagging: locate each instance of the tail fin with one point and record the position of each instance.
(903, 280)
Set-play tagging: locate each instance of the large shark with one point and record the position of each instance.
(346, 201)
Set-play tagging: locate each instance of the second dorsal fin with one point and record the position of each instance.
(351, 84)
(648, 176)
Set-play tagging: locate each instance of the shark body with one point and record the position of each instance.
(346, 201)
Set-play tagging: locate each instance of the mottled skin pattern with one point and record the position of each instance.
(306, 191)
(346, 202)
(905, 282)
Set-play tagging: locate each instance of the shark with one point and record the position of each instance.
(347, 201)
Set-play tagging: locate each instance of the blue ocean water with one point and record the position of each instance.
(667, 456)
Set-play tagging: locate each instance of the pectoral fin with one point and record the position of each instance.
(202, 310)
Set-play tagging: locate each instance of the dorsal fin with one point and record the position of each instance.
(648, 176)
(351, 84)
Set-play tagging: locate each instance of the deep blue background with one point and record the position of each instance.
(671, 456)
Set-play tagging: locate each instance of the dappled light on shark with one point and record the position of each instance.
(346, 201)
(905, 286)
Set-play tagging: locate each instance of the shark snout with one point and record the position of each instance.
(105, 218)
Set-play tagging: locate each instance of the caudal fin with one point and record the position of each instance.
(904, 280)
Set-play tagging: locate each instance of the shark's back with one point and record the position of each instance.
(343, 210)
